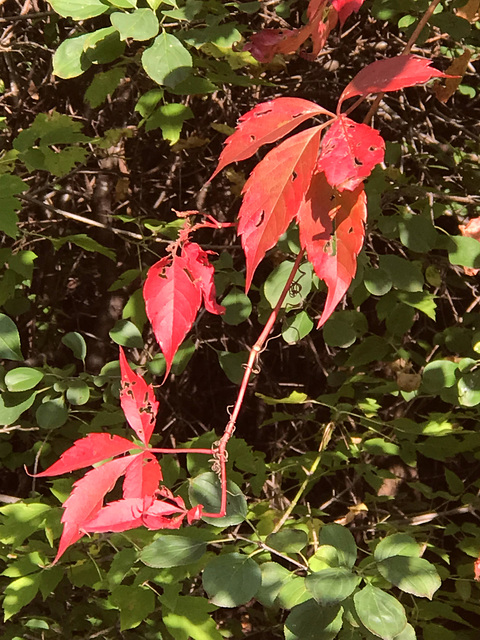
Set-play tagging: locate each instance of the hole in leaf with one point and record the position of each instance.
(260, 219)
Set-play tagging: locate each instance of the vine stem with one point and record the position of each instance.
(327, 434)
(413, 38)
(221, 453)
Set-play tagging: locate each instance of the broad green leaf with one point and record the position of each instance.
(417, 233)
(405, 275)
(21, 520)
(147, 102)
(288, 540)
(331, 586)
(238, 307)
(464, 251)
(407, 634)
(10, 185)
(233, 364)
(377, 281)
(325, 557)
(274, 576)
(296, 327)
(76, 342)
(190, 619)
(22, 263)
(103, 85)
(52, 414)
(19, 593)
(167, 62)
(398, 544)
(154, 4)
(141, 24)
(78, 392)
(421, 300)
(439, 374)
(126, 334)
(371, 349)
(469, 389)
(380, 446)
(135, 603)
(70, 60)
(299, 289)
(231, 579)
(12, 405)
(293, 592)
(23, 378)
(103, 46)
(169, 118)
(173, 551)
(85, 242)
(379, 612)
(186, 350)
(340, 537)
(310, 621)
(412, 575)
(187, 12)
(79, 9)
(205, 489)
(9, 340)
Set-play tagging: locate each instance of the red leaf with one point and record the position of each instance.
(86, 499)
(332, 251)
(471, 230)
(265, 44)
(476, 569)
(266, 123)
(94, 448)
(138, 401)
(202, 272)
(142, 477)
(172, 301)
(390, 74)
(273, 193)
(346, 7)
(349, 153)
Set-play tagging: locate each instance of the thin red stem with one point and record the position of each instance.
(254, 353)
(166, 451)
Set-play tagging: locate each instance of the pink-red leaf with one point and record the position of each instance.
(346, 7)
(142, 477)
(138, 401)
(332, 232)
(264, 124)
(93, 448)
(86, 499)
(202, 272)
(172, 301)
(390, 74)
(273, 193)
(265, 44)
(349, 153)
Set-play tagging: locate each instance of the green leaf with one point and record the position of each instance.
(343, 328)
(439, 374)
(9, 186)
(231, 579)
(412, 575)
(233, 364)
(417, 233)
(238, 307)
(274, 576)
(277, 280)
(135, 603)
(79, 9)
(70, 60)
(343, 541)
(377, 281)
(76, 343)
(407, 634)
(293, 592)
(405, 275)
(331, 586)
(167, 62)
(78, 392)
(469, 389)
(148, 101)
(173, 551)
(18, 593)
(12, 405)
(398, 544)
(169, 118)
(288, 540)
(205, 489)
(309, 621)
(421, 300)
(84, 242)
(103, 85)
(380, 612)
(22, 263)
(126, 334)
(296, 327)
(21, 520)
(23, 378)
(52, 414)
(141, 24)
(190, 619)
(103, 46)
(9, 340)
(371, 349)
(464, 251)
